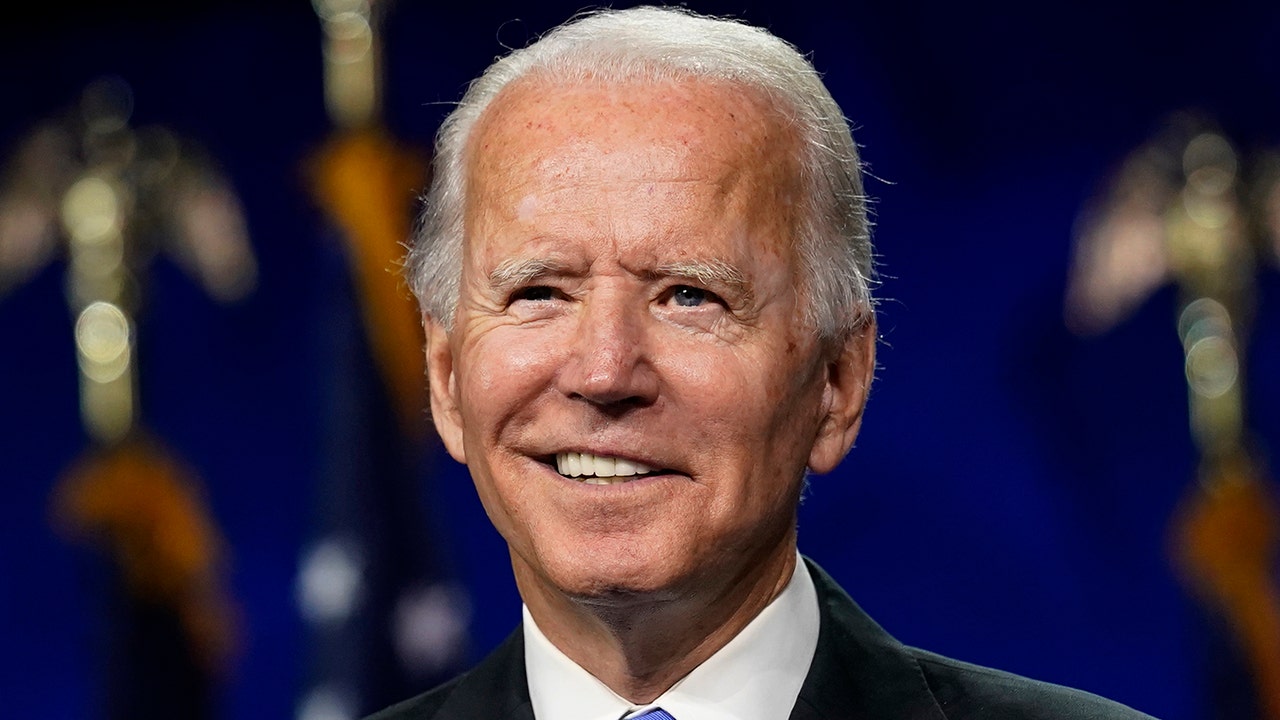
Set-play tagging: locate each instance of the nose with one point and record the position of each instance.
(609, 364)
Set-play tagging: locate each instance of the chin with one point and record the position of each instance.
(613, 575)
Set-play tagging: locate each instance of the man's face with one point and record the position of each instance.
(630, 294)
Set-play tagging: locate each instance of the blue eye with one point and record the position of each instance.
(686, 296)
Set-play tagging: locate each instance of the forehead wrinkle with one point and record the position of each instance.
(737, 148)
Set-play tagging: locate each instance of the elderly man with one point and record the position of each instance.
(644, 268)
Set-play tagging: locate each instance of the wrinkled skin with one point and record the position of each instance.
(630, 289)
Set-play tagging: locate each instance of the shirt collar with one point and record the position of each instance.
(756, 676)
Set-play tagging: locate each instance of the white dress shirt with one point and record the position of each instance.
(756, 676)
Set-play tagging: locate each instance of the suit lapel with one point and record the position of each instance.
(859, 671)
(497, 688)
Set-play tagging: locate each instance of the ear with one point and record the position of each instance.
(849, 376)
(443, 386)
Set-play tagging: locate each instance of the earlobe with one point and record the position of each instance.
(849, 376)
(443, 387)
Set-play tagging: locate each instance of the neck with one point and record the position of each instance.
(640, 646)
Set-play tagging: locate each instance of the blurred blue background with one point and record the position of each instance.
(1008, 500)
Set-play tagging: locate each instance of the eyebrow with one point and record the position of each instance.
(707, 272)
(515, 272)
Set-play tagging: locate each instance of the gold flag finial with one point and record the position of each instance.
(352, 61)
(112, 195)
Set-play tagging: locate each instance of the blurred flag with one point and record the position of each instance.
(111, 196)
(1188, 208)
(384, 620)
(174, 630)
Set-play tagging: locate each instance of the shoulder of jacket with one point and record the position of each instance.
(964, 690)
(420, 707)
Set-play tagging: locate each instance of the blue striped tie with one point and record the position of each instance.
(654, 714)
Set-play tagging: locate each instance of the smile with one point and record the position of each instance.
(599, 469)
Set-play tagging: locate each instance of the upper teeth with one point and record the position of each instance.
(574, 464)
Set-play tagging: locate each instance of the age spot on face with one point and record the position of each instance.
(527, 208)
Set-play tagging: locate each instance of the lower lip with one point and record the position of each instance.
(613, 480)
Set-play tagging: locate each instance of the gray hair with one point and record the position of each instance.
(657, 44)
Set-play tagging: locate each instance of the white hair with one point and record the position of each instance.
(663, 44)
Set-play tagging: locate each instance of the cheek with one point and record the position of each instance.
(764, 407)
(732, 394)
(500, 374)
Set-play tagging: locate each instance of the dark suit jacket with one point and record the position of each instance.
(859, 672)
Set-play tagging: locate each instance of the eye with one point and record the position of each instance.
(535, 293)
(687, 296)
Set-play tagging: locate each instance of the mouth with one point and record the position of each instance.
(600, 469)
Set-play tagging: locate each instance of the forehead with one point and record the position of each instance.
(705, 116)
(540, 135)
